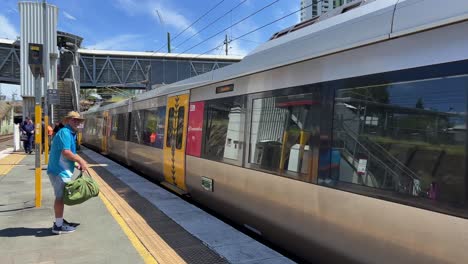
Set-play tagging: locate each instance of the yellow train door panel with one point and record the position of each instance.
(174, 145)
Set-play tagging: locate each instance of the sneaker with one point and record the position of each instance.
(64, 229)
(65, 222)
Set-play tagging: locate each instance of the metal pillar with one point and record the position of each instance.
(37, 132)
(46, 82)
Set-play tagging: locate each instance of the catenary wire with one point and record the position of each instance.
(180, 33)
(252, 31)
(214, 21)
(214, 35)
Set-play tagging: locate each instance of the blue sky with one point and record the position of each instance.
(134, 25)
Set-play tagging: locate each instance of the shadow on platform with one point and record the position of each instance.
(26, 231)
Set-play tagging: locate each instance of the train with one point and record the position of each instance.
(340, 139)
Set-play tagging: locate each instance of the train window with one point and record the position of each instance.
(119, 122)
(222, 126)
(148, 127)
(404, 140)
(284, 132)
(90, 126)
(180, 127)
(153, 122)
(170, 127)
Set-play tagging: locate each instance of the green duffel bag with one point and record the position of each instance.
(80, 190)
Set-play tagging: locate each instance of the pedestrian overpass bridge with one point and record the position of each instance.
(123, 69)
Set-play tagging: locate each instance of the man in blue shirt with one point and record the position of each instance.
(62, 160)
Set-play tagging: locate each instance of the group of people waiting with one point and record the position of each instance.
(27, 133)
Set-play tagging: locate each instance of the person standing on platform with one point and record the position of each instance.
(50, 132)
(62, 160)
(57, 127)
(27, 129)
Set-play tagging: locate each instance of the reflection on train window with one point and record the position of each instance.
(223, 129)
(148, 127)
(407, 140)
(90, 126)
(283, 133)
(99, 126)
(153, 122)
(170, 127)
(118, 124)
(180, 127)
(136, 127)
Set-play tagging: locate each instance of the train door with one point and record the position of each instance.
(174, 145)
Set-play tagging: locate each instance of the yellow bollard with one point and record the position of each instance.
(38, 139)
(46, 140)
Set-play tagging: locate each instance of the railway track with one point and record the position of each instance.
(4, 138)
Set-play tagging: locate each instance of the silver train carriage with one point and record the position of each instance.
(342, 138)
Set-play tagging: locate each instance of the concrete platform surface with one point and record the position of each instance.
(132, 221)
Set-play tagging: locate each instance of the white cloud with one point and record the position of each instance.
(289, 20)
(168, 13)
(120, 42)
(7, 30)
(12, 10)
(237, 49)
(67, 15)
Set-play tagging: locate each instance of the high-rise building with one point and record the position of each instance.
(337, 3)
(313, 8)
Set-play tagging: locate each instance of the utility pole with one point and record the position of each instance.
(168, 34)
(168, 42)
(226, 42)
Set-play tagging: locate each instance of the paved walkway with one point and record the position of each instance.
(132, 221)
(25, 231)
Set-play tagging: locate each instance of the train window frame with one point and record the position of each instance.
(459, 210)
(133, 137)
(239, 161)
(323, 95)
(116, 119)
(146, 137)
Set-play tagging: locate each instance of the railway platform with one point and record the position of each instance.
(132, 221)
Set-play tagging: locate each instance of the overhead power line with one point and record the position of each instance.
(252, 31)
(210, 24)
(214, 35)
(180, 33)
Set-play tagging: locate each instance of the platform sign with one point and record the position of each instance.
(35, 60)
(53, 96)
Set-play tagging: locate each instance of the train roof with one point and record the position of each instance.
(359, 23)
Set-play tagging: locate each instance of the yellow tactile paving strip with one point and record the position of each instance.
(9, 162)
(148, 243)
